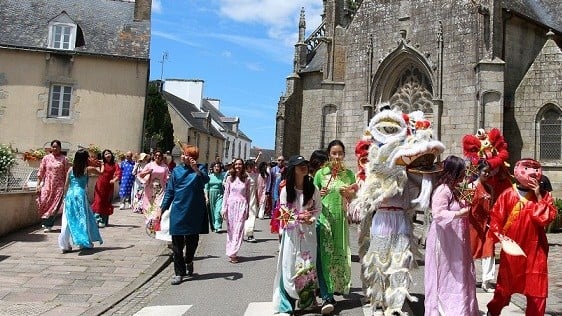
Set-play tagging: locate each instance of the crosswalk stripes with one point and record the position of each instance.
(168, 310)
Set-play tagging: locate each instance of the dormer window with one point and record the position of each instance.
(64, 33)
(62, 36)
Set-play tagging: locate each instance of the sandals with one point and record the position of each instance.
(233, 259)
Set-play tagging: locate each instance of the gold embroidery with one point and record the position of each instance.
(516, 210)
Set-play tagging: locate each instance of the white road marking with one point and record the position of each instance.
(260, 309)
(168, 310)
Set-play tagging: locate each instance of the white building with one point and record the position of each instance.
(237, 144)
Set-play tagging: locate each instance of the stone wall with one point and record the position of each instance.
(539, 90)
(472, 60)
(19, 210)
(419, 22)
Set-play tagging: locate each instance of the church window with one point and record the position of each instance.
(412, 91)
(550, 129)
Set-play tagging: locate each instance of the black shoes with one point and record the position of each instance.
(189, 267)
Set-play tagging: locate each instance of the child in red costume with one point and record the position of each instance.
(521, 213)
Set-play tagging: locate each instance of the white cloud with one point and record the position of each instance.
(174, 38)
(226, 54)
(157, 6)
(266, 45)
(280, 17)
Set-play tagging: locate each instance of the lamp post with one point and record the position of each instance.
(162, 61)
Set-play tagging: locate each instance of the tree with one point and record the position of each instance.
(158, 128)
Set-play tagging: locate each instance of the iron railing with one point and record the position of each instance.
(21, 178)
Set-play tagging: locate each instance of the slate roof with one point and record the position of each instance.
(192, 114)
(546, 12)
(107, 25)
(317, 59)
(222, 120)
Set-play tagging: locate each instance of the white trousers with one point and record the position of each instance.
(488, 268)
(64, 236)
(251, 221)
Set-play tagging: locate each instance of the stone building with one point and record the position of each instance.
(73, 70)
(466, 64)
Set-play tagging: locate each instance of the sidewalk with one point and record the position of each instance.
(38, 280)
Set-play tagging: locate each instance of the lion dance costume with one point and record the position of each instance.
(400, 144)
(485, 149)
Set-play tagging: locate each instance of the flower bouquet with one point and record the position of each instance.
(336, 165)
(466, 188)
(289, 217)
(306, 279)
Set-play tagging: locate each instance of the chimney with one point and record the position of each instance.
(142, 10)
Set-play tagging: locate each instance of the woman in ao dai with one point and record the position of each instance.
(296, 277)
(235, 207)
(450, 280)
(79, 226)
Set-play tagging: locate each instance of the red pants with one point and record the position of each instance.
(535, 305)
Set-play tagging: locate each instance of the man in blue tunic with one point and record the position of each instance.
(185, 200)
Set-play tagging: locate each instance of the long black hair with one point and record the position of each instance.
(453, 169)
(80, 162)
(317, 160)
(112, 160)
(262, 168)
(232, 172)
(307, 189)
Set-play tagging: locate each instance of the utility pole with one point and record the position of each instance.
(162, 61)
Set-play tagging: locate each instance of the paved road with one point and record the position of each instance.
(221, 288)
(121, 277)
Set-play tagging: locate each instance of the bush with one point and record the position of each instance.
(558, 204)
(7, 159)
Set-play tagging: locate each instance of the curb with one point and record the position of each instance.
(163, 260)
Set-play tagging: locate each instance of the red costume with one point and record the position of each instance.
(103, 191)
(520, 216)
(481, 244)
(491, 147)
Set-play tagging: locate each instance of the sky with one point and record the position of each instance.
(242, 49)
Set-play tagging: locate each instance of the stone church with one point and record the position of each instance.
(467, 64)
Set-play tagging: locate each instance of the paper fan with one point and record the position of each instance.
(509, 246)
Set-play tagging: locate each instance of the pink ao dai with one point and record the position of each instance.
(235, 206)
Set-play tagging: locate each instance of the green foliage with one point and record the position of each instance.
(558, 204)
(157, 123)
(7, 159)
